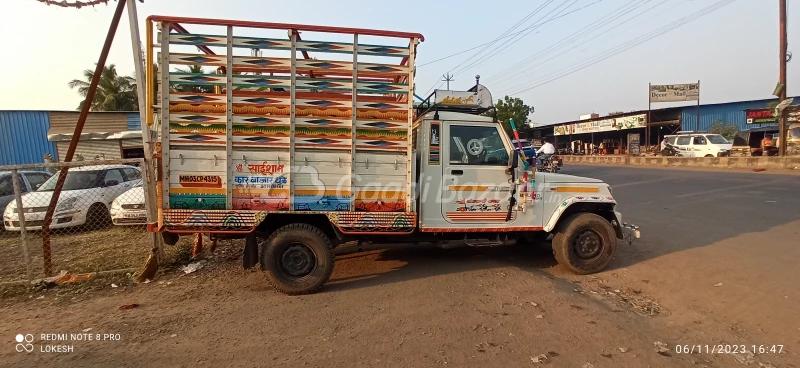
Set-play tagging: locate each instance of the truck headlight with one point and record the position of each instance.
(67, 204)
(116, 206)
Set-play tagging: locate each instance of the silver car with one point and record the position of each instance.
(29, 181)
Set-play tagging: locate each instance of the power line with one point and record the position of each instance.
(572, 37)
(512, 40)
(499, 38)
(532, 28)
(632, 43)
(584, 42)
(531, 14)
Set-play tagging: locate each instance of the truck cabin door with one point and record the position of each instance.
(475, 186)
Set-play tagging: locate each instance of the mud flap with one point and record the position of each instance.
(250, 256)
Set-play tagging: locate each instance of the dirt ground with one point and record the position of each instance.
(705, 275)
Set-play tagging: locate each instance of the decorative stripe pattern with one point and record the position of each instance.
(478, 216)
(360, 222)
(480, 229)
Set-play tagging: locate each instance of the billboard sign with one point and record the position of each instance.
(674, 92)
(768, 116)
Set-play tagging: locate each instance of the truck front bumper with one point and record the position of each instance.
(624, 230)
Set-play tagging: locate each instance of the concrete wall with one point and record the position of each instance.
(720, 162)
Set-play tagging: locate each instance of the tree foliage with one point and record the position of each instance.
(114, 92)
(728, 131)
(513, 108)
(195, 88)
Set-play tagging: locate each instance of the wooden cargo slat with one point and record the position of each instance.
(197, 79)
(378, 50)
(324, 46)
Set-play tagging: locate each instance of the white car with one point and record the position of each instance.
(700, 144)
(129, 209)
(85, 200)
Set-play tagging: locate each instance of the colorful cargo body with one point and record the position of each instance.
(299, 138)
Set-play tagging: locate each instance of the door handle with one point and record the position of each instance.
(457, 172)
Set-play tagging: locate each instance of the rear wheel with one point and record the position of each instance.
(585, 243)
(298, 259)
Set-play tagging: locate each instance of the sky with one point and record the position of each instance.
(565, 57)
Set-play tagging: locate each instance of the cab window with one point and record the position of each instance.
(671, 140)
(477, 145)
(684, 141)
(699, 140)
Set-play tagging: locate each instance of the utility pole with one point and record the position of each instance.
(783, 55)
(447, 78)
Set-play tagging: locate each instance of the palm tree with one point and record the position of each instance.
(195, 88)
(114, 92)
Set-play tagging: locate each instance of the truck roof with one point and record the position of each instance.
(458, 116)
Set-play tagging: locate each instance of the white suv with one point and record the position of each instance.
(85, 200)
(701, 144)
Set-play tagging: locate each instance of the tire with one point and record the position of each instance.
(98, 217)
(298, 259)
(600, 238)
(708, 156)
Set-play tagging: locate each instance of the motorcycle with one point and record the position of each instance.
(671, 150)
(551, 165)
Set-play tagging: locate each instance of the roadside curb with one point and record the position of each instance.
(784, 163)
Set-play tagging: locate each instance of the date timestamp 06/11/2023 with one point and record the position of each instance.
(728, 349)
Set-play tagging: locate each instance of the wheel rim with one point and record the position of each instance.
(298, 260)
(587, 244)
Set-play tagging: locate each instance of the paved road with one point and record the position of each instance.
(480, 307)
(705, 228)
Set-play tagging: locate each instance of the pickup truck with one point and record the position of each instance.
(318, 143)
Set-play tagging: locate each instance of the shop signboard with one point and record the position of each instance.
(674, 92)
(767, 116)
(562, 130)
(634, 146)
(610, 124)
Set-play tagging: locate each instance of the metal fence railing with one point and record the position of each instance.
(98, 221)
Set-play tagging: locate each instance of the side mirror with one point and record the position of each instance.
(112, 183)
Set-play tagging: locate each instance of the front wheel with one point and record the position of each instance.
(584, 243)
(298, 259)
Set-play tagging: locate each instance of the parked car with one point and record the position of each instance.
(128, 208)
(691, 144)
(527, 147)
(29, 181)
(85, 200)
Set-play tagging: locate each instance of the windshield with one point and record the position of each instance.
(717, 139)
(75, 180)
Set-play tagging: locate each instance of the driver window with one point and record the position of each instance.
(699, 140)
(477, 145)
(113, 174)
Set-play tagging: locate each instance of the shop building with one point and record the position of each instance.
(26, 136)
(645, 128)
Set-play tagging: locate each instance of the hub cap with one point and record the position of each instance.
(298, 260)
(587, 244)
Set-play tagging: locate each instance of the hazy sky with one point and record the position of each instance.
(733, 51)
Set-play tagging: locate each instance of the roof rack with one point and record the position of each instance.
(476, 100)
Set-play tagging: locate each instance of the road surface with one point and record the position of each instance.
(717, 265)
